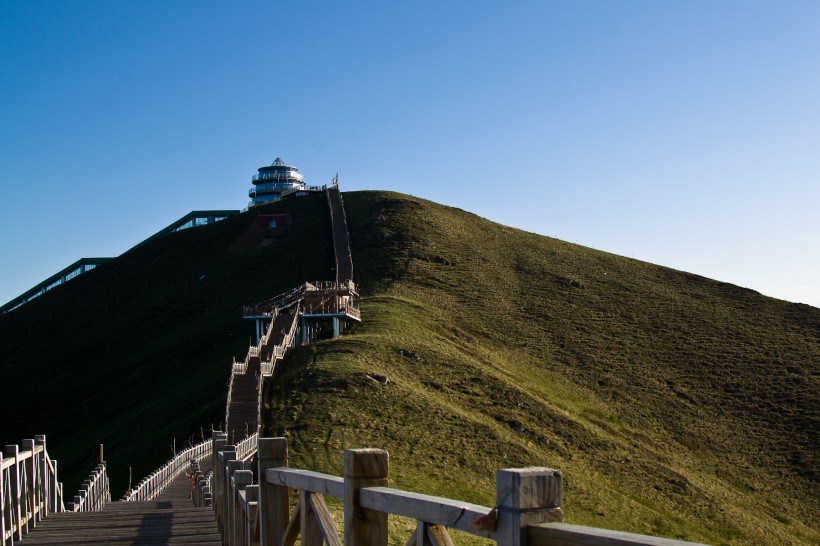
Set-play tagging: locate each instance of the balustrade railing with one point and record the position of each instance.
(247, 447)
(287, 299)
(239, 367)
(94, 493)
(156, 482)
(527, 508)
(29, 489)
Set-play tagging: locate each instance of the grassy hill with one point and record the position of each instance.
(137, 353)
(674, 405)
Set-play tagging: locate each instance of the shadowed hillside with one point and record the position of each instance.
(137, 352)
(674, 404)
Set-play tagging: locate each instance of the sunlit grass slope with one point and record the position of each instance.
(674, 404)
(138, 352)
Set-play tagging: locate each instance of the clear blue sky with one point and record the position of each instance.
(686, 134)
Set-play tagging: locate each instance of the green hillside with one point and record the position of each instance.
(137, 353)
(674, 404)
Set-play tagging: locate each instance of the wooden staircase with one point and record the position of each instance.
(341, 240)
(242, 415)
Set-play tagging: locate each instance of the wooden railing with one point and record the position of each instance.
(95, 492)
(278, 350)
(156, 482)
(247, 447)
(245, 450)
(527, 510)
(29, 489)
(272, 306)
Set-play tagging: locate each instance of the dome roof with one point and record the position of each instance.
(277, 162)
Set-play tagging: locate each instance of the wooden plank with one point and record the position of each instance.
(326, 526)
(292, 530)
(306, 480)
(309, 529)
(412, 540)
(564, 534)
(435, 510)
(438, 535)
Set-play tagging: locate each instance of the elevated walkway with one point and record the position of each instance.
(341, 240)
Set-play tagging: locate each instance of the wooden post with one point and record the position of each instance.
(45, 488)
(241, 480)
(526, 496)
(252, 496)
(364, 468)
(274, 511)
(230, 496)
(57, 496)
(227, 454)
(218, 441)
(30, 485)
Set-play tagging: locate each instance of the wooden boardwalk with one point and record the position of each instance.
(341, 239)
(169, 519)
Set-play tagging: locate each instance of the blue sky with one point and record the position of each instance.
(685, 134)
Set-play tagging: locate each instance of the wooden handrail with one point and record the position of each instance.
(527, 512)
(433, 510)
(29, 489)
(94, 493)
(156, 482)
(561, 534)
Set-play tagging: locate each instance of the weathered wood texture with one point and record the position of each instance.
(364, 468)
(323, 519)
(148, 522)
(307, 480)
(171, 518)
(563, 534)
(526, 496)
(273, 518)
(527, 512)
(435, 510)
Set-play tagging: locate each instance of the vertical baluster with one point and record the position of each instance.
(12, 451)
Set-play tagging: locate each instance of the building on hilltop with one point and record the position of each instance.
(275, 182)
(278, 181)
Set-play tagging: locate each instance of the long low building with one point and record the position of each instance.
(83, 265)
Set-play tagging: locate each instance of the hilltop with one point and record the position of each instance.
(674, 404)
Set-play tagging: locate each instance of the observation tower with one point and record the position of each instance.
(275, 182)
